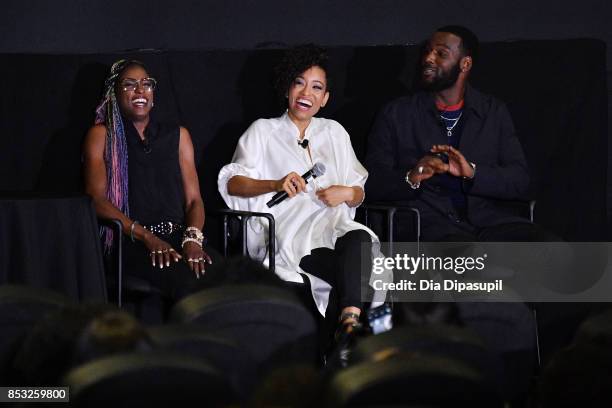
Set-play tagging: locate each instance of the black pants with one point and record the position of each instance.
(341, 266)
(557, 322)
(511, 232)
(175, 281)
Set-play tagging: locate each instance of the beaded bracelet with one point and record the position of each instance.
(187, 239)
(193, 234)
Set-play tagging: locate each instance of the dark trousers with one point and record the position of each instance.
(557, 322)
(174, 282)
(341, 266)
(511, 232)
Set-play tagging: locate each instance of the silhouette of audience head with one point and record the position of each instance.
(110, 333)
(74, 335)
(426, 313)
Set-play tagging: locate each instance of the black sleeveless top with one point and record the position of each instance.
(155, 188)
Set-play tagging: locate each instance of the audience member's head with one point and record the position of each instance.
(596, 330)
(579, 376)
(69, 336)
(426, 313)
(110, 333)
(296, 385)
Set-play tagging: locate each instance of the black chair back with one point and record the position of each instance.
(439, 340)
(223, 353)
(20, 308)
(269, 322)
(409, 379)
(148, 379)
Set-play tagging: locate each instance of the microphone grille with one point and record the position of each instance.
(318, 169)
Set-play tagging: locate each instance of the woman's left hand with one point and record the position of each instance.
(196, 258)
(335, 195)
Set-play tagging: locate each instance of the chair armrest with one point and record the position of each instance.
(243, 217)
(523, 208)
(390, 209)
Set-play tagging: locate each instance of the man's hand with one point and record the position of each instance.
(458, 165)
(426, 168)
(335, 195)
(292, 184)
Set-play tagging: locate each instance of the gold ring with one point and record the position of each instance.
(159, 251)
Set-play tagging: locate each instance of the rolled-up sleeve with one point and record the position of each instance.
(249, 152)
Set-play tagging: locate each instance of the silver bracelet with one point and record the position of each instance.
(412, 185)
(132, 230)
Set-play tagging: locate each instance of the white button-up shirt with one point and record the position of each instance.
(268, 150)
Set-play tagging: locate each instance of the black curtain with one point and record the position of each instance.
(555, 90)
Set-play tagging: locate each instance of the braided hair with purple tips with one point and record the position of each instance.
(115, 151)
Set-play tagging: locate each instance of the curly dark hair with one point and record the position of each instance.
(297, 60)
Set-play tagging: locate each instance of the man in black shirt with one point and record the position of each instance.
(451, 151)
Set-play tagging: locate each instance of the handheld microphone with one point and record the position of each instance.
(303, 144)
(317, 170)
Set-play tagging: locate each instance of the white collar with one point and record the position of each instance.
(295, 131)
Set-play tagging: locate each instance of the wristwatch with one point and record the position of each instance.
(412, 185)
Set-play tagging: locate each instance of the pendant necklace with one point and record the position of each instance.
(449, 129)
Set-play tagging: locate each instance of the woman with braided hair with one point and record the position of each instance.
(143, 173)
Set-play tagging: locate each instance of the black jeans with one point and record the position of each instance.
(341, 266)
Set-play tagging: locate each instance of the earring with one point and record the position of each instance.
(152, 104)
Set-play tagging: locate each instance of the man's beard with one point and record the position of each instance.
(443, 81)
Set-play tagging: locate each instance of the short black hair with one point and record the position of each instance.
(469, 40)
(297, 60)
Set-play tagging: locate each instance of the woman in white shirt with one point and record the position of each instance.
(315, 223)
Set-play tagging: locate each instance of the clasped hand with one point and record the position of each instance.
(331, 196)
(432, 164)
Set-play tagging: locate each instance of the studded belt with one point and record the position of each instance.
(164, 228)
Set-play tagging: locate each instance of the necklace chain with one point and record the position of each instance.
(449, 129)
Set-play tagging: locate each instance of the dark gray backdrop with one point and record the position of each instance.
(96, 26)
